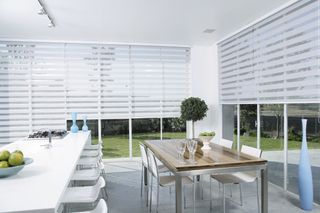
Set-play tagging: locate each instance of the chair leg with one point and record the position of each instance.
(194, 194)
(210, 193)
(150, 192)
(240, 190)
(184, 197)
(157, 197)
(147, 181)
(142, 168)
(224, 198)
(231, 190)
(201, 185)
(258, 200)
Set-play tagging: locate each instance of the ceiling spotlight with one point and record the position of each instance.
(42, 12)
(51, 25)
(209, 30)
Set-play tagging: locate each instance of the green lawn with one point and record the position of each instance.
(117, 146)
(273, 144)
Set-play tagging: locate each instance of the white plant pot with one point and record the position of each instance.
(206, 142)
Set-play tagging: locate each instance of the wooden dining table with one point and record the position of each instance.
(217, 160)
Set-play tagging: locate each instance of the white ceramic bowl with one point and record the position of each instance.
(7, 172)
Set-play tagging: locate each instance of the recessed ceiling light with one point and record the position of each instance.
(209, 30)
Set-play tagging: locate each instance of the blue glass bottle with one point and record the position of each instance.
(74, 128)
(305, 173)
(84, 127)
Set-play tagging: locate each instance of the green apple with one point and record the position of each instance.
(15, 159)
(19, 151)
(4, 164)
(4, 155)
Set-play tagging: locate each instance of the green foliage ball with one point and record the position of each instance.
(193, 109)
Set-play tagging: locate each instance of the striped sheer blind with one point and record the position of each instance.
(275, 60)
(41, 83)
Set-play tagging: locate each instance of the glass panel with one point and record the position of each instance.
(144, 129)
(248, 125)
(115, 137)
(271, 142)
(229, 123)
(311, 112)
(173, 128)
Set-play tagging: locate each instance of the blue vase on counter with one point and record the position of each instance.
(305, 173)
(74, 128)
(84, 127)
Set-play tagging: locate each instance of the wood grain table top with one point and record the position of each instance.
(218, 156)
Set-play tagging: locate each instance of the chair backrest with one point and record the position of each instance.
(226, 143)
(152, 163)
(101, 207)
(144, 157)
(251, 151)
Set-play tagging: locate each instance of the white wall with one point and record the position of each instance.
(204, 66)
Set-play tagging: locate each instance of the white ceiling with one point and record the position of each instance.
(179, 22)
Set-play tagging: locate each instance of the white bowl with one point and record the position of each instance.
(7, 172)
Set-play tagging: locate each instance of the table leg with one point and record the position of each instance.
(179, 196)
(264, 190)
(145, 169)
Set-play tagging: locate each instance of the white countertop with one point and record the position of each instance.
(40, 185)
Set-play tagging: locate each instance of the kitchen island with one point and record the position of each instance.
(39, 187)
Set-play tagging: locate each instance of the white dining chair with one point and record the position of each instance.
(145, 166)
(226, 143)
(100, 208)
(83, 194)
(90, 153)
(91, 174)
(93, 146)
(88, 162)
(163, 180)
(239, 177)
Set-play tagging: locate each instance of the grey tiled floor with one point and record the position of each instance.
(123, 186)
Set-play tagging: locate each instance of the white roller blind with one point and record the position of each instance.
(41, 83)
(176, 77)
(47, 86)
(15, 75)
(82, 80)
(275, 60)
(147, 87)
(115, 81)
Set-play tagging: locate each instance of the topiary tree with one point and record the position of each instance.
(193, 109)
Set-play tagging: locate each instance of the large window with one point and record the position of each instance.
(43, 82)
(271, 70)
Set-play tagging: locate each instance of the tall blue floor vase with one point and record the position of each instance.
(74, 128)
(305, 174)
